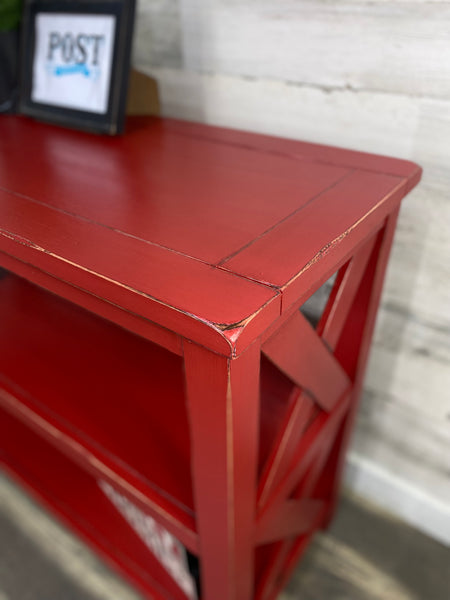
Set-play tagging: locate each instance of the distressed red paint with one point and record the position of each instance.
(150, 335)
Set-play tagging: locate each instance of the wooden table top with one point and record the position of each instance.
(207, 232)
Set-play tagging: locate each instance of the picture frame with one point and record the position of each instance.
(76, 62)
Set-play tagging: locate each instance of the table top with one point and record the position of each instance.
(208, 232)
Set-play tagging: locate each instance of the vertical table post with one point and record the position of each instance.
(354, 351)
(223, 406)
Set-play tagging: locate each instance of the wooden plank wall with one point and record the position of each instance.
(370, 75)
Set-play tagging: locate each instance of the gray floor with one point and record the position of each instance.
(366, 555)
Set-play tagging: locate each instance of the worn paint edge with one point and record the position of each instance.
(233, 329)
(45, 429)
(342, 236)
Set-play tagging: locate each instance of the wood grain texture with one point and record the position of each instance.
(410, 127)
(397, 47)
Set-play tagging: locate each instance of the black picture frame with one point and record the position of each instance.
(111, 119)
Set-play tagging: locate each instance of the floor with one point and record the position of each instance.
(366, 555)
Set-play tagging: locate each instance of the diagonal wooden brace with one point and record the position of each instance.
(296, 517)
(339, 304)
(297, 419)
(301, 355)
(312, 443)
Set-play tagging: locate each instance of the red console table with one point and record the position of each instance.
(160, 390)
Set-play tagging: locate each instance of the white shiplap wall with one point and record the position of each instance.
(370, 75)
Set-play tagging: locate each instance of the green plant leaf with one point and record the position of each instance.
(10, 14)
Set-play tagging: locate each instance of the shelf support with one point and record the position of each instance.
(223, 406)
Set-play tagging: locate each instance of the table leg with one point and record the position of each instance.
(223, 406)
(355, 347)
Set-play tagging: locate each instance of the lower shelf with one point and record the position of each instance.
(93, 508)
(101, 394)
(87, 407)
(108, 397)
